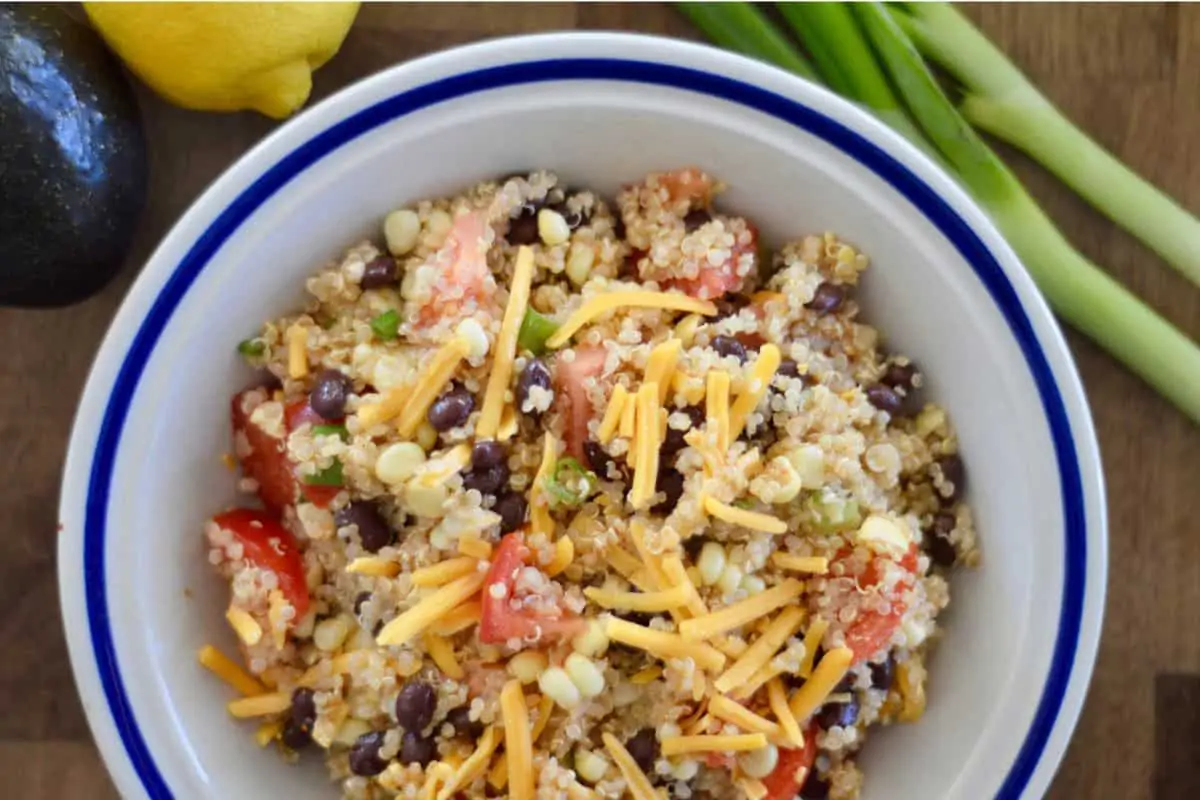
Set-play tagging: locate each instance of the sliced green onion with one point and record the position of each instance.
(570, 484)
(330, 476)
(833, 512)
(252, 348)
(535, 330)
(387, 325)
(332, 430)
(1001, 101)
(742, 27)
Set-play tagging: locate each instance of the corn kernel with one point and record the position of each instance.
(350, 730)
(426, 499)
(711, 563)
(592, 642)
(427, 436)
(527, 665)
(730, 580)
(552, 227)
(439, 226)
(809, 463)
(398, 462)
(556, 684)
(883, 536)
(583, 672)
(579, 263)
(752, 584)
(473, 334)
(401, 229)
(759, 763)
(777, 483)
(590, 766)
(329, 634)
(685, 770)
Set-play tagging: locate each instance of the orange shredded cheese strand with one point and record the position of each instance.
(815, 565)
(742, 612)
(374, 566)
(761, 372)
(442, 653)
(518, 743)
(506, 346)
(612, 414)
(474, 547)
(716, 406)
(475, 765)
(647, 675)
(245, 626)
(544, 706)
(498, 775)
(459, 619)
(261, 705)
(673, 568)
(660, 366)
(564, 554)
(228, 671)
(429, 609)
(268, 732)
(753, 788)
(812, 641)
(777, 698)
(829, 672)
(540, 520)
(645, 473)
(762, 650)
(746, 690)
(663, 600)
(441, 370)
(664, 645)
(626, 428)
(601, 303)
(639, 785)
(722, 707)
(390, 405)
(443, 572)
(707, 743)
(753, 520)
(297, 351)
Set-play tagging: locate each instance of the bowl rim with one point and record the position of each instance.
(630, 59)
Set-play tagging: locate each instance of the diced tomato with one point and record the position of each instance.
(296, 414)
(500, 622)
(464, 273)
(781, 783)
(266, 462)
(575, 407)
(871, 631)
(690, 183)
(270, 546)
(714, 282)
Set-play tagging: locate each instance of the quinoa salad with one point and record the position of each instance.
(549, 496)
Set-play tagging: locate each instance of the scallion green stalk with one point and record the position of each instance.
(742, 27)
(1001, 101)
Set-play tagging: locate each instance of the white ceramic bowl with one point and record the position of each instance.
(143, 472)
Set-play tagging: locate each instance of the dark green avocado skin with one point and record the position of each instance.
(72, 159)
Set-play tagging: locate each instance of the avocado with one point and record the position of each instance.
(72, 159)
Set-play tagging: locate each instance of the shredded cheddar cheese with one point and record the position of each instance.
(639, 785)
(245, 626)
(815, 565)
(637, 601)
(753, 788)
(626, 428)
(474, 547)
(459, 619)
(297, 351)
(753, 520)
(812, 641)
(518, 743)
(722, 707)
(444, 571)
(268, 732)
(602, 303)
(660, 366)
(645, 474)
(509, 424)
(260, 705)
(709, 743)
(564, 554)
(544, 706)
(746, 690)
(762, 650)
(759, 381)
(389, 406)
(742, 612)
(442, 653)
(672, 567)
(612, 414)
(664, 645)
(474, 766)
(374, 566)
(540, 520)
(506, 346)
(498, 774)
(429, 609)
(716, 406)
(433, 380)
(647, 675)
(829, 673)
(227, 670)
(777, 698)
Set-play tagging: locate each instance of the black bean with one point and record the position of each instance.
(788, 368)
(488, 480)
(828, 298)
(379, 272)
(729, 346)
(373, 530)
(460, 719)
(451, 409)
(937, 539)
(417, 749)
(295, 737)
(883, 674)
(524, 228)
(840, 714)
(597, 458)
(900, 376)
(643, 747)
(488, 453)
(536, 373)
(328, 395)
(955, 472)
(815, 788)
(670, 482)
(511, 507)
(364, 755)
(696, 218)
(885, 398)
(415, 705)
(674, 441)
(303, 713)
(728, 306)
(618, 227)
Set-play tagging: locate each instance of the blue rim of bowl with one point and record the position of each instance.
(853, 144)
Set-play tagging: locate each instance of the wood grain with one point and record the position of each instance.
(1126, 73)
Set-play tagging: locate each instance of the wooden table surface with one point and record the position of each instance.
(1128, 74)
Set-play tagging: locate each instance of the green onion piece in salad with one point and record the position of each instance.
(332, 430)
(252, 348)
(387, 325)
(570, 484)
(535, 330)
(834, 513)
(330, 476)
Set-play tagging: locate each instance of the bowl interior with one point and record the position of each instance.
(989, 670)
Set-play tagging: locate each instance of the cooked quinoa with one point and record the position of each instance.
(564, 499)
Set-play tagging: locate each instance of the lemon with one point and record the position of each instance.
(226, 56)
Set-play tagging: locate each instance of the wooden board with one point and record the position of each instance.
(1129, 74)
